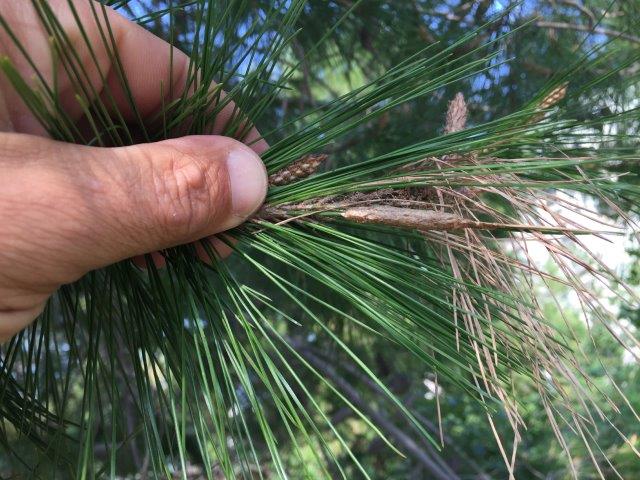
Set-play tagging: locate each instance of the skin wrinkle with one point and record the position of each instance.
(60, 228)
(60, 199)
(179, 191)
(23, 293)
(185, 183)
(185, 188)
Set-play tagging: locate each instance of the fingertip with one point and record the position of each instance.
(248, 180)
(246, 176)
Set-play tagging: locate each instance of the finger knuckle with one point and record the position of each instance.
(187, 190)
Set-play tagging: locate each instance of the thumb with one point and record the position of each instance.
(90, 207)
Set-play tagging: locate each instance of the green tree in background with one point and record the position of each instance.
(382, 315)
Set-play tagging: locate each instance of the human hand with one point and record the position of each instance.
(67, 209)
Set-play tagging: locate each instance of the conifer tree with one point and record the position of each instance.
(411, 170)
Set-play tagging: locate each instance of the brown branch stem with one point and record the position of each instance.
(399, 217)
(586, 28)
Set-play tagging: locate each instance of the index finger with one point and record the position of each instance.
(156, 73)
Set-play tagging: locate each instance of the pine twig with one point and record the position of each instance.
(412, 218)
(586, 28)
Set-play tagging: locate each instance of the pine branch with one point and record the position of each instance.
(587, 28)
(396, 243)
(407, 444)
(429, 220)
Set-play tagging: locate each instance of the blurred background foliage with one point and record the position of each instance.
(549, 35)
